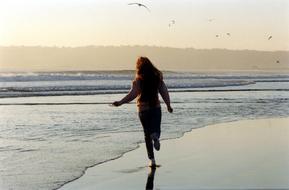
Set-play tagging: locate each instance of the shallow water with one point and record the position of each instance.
(44, 146)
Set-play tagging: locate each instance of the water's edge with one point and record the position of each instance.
(165, 139)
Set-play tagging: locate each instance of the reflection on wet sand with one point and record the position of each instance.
(150, 179)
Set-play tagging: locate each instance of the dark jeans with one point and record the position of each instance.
(151, 122)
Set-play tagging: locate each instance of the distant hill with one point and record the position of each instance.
(91, 58)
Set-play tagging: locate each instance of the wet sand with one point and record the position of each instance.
(251, 154)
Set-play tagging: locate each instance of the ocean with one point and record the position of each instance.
(53, 126)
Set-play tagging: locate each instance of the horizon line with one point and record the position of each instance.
(119, 46)
(197, 71)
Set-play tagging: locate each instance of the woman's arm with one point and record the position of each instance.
(132, 94)
(163, 90)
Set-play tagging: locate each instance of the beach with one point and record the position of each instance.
(249, 154)
(53, 126)
(76, 75)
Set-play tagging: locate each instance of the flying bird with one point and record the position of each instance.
(269, 37)
(172, 23)
(277, 61)
(228, 34)
(140, 5)
(217, 36)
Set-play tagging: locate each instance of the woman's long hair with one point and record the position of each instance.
(150, 80)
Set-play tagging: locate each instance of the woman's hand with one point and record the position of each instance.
(116, 103)
(170, 109)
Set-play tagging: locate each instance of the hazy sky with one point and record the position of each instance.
(114, 22)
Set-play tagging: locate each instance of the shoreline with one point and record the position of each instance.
(88, 180)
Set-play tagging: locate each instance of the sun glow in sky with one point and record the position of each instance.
(114, 22)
